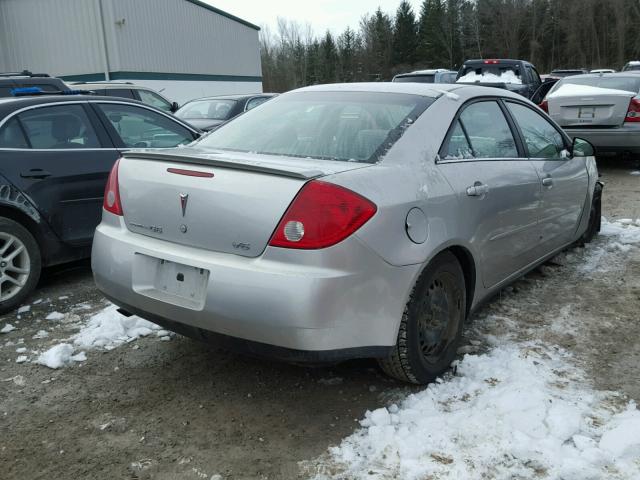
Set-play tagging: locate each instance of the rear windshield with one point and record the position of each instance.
(210, 109)
(630, 84)
(348, 126)
(565, 73)
(631, 66)
(490, 74)
(416, 78)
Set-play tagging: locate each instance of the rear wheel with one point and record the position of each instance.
(431, 325)
(20, 264)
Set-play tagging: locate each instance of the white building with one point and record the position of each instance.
(184, 48)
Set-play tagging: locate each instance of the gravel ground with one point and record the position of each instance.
(178, 409)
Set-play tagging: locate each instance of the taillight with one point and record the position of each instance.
(492, 61)
(544, 105)
(633, 112)
(111, 202)
(321, 215)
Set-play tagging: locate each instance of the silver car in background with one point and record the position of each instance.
(601, 108)
(342, 221)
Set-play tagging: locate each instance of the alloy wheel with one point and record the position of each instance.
(15, 265)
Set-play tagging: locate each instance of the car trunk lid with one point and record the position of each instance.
(221, 201)
(586, 106)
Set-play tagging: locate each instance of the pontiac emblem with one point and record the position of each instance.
(184, 198)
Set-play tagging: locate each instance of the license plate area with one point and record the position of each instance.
(170, 282)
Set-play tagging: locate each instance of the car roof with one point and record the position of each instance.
(431, 71)
(500, 60)
(425, 89)
(234, 97)
(609, 75)
(107, 85)
(8, 104)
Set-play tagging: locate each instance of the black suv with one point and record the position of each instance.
(57, 152)
(25, 79)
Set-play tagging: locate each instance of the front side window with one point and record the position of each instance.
(487, 131)
(338, 125)
(155, 100)
(59, 127)
(540, 136)
(11, 135)
(139, 127)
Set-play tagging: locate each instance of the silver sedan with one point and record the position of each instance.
(342, 221)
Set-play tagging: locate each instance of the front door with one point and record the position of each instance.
(498, 190)
(564, 180)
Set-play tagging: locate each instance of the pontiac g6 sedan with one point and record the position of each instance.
(341, 221)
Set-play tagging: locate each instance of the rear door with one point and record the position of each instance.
(564, 180)
(61, 162)
(497, 188)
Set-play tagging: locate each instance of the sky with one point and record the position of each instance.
(334, 15)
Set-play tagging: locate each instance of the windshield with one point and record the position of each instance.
(629, 84)
(416, 78)
(348, 126)
(632, 66)
(490, 74)
(210, 109)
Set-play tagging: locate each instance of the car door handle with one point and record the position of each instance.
(477, 190)
(547, 181)
(35, 173)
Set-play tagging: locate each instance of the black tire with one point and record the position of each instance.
(429, 337)
(595, 216)
(31, 277)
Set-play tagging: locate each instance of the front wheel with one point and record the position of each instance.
(20, 264)
(431, 326)
(595, 216)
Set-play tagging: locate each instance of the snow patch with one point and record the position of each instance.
(24, 309)
(41, 334)
(508, 76)
(57, 356)
(7, 328)
(108, 329)
(570, 89)
(55, 316)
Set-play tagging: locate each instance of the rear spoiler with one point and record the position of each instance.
(253, 166)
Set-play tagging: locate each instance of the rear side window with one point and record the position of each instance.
(11, 135)
(59, 127)
(254, 102)
(487, 133)
(541, 138)
(155, 100)
(139, 127)
(415, 79)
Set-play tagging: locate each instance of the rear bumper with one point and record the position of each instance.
(340, 302)
(609, 140)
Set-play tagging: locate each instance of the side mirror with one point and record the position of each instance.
(174, 107)
(581, 148)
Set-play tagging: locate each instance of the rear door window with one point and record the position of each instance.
(540, 137)
(139, 127)
(59, 127)
(254, 102)
(153, 99)
(486, 131)
(12, 136)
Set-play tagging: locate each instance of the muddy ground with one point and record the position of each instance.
(178, 409)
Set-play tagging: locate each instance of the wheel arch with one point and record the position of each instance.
(27, 222)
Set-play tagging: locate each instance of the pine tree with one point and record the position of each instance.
(405, 38)
(432, 51)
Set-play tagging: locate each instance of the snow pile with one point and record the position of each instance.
(522, 410)
(518, 411)
(508, 76)
(59, 356)
(570, 89)
(108, 329)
